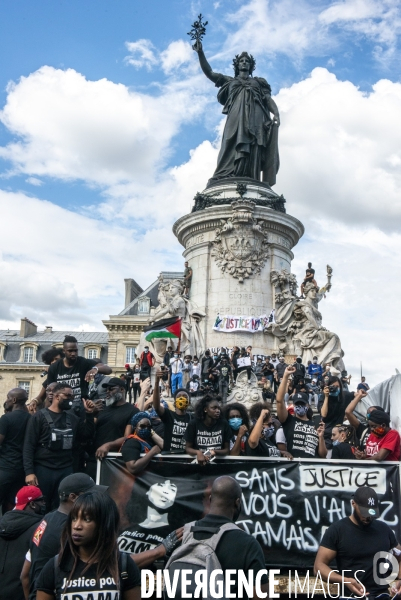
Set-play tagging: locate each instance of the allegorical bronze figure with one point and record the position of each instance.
(249, 147)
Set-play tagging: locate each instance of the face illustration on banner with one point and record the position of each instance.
(162, 495)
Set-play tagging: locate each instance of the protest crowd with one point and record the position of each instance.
(59, 530)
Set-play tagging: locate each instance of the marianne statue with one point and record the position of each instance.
(249, 147)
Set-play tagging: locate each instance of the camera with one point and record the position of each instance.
(43, 374)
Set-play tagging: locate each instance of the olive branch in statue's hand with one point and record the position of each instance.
(197, 32)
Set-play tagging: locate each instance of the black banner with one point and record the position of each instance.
(286, 505)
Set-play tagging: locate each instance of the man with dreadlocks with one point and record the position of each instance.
(249, 146)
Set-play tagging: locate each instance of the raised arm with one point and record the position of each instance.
(282, 411)
(206, 68)
(349, 411)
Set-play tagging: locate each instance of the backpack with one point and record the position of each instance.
(196, 555)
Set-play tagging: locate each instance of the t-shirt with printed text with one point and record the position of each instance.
(203, 437)
(390, 441)
(175, 427)
(73, 376)
(301, 436)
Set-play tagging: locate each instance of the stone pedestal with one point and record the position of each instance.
(232, 245)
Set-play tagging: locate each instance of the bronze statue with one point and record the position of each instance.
(249, 147)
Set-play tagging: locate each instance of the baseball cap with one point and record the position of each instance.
(300, 398)
(113, 382)
(78, 483)
(368, 502)
(26, 495)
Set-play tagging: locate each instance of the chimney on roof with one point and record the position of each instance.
(48, 329)
(27, 328)
(132, 291)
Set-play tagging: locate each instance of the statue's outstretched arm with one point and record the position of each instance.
(206, 68)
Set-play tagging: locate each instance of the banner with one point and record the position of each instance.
(286, 505)
(230, 323)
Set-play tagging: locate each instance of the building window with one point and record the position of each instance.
(143, 306)
(130, 354)
(25, 385)
(28, 355)
(92, 353)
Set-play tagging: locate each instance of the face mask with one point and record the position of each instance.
(300, 410)
(315, 362)
(181, 403)
(40, 509)
(195, 362)
(65, 405)
(268, 431)
(379, 430)
(145, 434)
(146, 350)
(175, 355)
(336, 442)
(336, 393)
(215, 356)
(235, 423)
(299, 360)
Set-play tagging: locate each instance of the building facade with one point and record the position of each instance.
(21, 352)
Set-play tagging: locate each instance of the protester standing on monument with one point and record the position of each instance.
(352, 543)
(49, 357)
(208, 431)
(136, 379)
(129, 376)
(16, 529)
(75, 371)
(50, 438)
(176, 366)
(113, 423)
(89, 563)
(225, 378)
(363, 385)
(334, 405)
(303, 441)
(315, 370)
(12, 433)
(187, 279)
(146, 362)
(175, 422)
(142, 441)
(186, 370)
(237, 417)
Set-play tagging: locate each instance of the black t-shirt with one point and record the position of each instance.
(362, 433)
(336, 409)
(302, 439)
(73, 376)
(224, 372)
(267, 369)
(203, 437)
(356, 547)
(136, 539)
(342, 450)
(236, 550)
(175, 427)
(44, 545)
(87, 586)
(132, 449)
(12, 426)
(111, 423)
(264, 448)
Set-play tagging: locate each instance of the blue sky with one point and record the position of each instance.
(104, 112)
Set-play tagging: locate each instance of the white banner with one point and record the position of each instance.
(229, 323)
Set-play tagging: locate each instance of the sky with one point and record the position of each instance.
(108, 128)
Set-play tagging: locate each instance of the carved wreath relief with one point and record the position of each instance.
(241, 246)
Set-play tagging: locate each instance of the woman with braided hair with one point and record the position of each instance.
(344, 442)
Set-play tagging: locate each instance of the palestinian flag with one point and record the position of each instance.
(165, 328)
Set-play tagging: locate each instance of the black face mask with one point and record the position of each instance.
(65, 404)
(40, 509)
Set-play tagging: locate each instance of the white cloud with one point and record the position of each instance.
(177, 53)
(34, 181)
(142, 54)
(98, 131)
(307, 28)
(340, 150)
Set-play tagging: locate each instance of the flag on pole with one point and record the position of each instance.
(165, 328)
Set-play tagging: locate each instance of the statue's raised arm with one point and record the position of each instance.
(206, 68)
